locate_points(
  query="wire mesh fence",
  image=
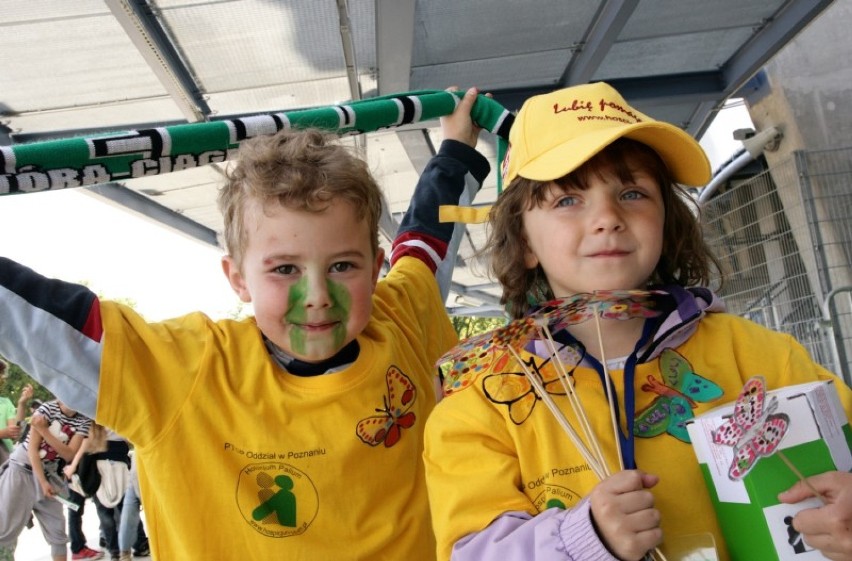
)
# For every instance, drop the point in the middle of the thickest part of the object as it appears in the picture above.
(784, 238)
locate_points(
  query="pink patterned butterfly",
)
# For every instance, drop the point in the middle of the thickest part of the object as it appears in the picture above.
(754, 430)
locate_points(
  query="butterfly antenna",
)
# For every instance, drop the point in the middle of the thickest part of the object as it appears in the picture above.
(615, 429)
(801, 476)
(574, 398)
(560, 418)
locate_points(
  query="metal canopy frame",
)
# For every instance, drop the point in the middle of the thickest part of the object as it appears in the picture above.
(698, 94)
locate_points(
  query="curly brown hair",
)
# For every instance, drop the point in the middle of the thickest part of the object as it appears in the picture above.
(301, 170)
(686, 259)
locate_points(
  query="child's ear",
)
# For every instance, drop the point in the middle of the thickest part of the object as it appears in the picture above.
(377, 266)
(530, 259)
(235, 278)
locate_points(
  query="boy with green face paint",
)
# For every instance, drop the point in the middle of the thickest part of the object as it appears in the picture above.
(301, 427)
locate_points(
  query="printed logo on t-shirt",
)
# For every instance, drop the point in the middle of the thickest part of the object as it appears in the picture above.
(555, 496)
(277, 499)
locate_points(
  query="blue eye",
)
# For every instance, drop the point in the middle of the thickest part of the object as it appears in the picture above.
(633, 195)
(566, 201)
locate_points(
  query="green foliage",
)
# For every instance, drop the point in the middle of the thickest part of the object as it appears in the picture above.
(16, 379)
(468, 326)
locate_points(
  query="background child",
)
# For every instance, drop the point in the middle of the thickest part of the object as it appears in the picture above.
(591, 204)
(30, 480)
(11, 415)
(296, 433)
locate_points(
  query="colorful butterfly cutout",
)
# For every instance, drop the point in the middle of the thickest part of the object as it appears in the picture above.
(754, 430)
(677, 395)
(514, 390)
(488, 350)
(386, 427)
(606, 304)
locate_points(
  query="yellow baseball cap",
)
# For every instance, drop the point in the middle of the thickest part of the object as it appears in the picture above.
(555, 133)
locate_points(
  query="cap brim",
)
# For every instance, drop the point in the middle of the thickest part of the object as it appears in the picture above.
(681, 153)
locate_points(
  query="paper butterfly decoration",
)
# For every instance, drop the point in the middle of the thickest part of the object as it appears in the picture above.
(754, 430)
(514, 390)
(394, 415)
(488, 350)
(681, 388)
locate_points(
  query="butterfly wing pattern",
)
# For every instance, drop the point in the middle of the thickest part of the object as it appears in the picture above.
(515, 391)
(676, 398)
(489, 350)
(754, 430)
(394, 415)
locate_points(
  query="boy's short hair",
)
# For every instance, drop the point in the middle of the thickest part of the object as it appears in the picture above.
(686, 260)
(301, 170)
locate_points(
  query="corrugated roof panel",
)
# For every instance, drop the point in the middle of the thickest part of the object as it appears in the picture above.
(447, 31)
(114, 114)
(21, 11)
(655, 18)
(253, 44)
(531, 69)
(281, 97)
(105, 66)
(673, 54)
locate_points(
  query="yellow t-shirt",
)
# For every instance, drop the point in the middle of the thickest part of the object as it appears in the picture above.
(494, 447)
(241, 460)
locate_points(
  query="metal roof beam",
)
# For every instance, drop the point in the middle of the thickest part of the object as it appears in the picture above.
(134, 201)
(152, 42)
(768, 40)
(482, 296)
(601, 35)
(348, 43)
(394, 44)
(647, 91)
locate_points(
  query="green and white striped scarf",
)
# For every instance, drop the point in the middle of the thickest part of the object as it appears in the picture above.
(83, 161)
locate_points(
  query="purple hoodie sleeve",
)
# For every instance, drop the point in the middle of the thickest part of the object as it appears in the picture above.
(553, 535)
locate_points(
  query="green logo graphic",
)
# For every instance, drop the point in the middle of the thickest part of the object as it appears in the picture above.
(277, 499)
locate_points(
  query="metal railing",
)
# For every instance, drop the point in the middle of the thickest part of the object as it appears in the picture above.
(784, 238)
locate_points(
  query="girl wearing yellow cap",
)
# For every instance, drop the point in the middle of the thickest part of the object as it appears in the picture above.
(593, 203)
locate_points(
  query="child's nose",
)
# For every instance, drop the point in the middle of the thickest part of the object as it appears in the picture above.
(608, 216)
(318, 293)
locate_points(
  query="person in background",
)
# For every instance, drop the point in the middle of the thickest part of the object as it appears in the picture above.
(131, 531)
(292, 422)
(95, 442)
(592, 203)
(30, 482)
(11, 416)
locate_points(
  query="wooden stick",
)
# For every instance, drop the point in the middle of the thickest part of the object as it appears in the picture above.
(801, 476)
(574, 399)
(557, 413)
(616, 431)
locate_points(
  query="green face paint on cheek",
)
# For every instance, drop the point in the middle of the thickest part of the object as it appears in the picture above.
(297, 314)
(342, 306)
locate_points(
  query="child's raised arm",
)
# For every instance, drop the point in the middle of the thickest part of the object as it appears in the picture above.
(442, 182)
(64, 319)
